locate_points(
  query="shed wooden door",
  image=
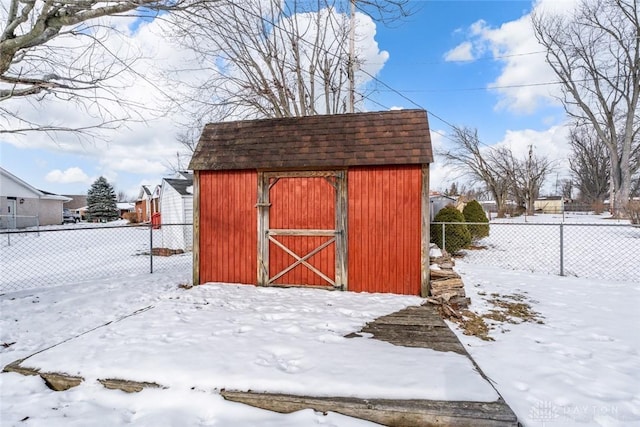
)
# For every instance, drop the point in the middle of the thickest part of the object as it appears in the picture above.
(301, 228)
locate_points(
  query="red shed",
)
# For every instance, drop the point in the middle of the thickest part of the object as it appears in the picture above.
(339, 201)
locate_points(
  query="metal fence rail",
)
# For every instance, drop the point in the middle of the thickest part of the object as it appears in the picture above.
(52, 256)
(604, 251)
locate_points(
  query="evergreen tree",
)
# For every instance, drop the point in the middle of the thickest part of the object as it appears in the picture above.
(456, 236)
(101, 200)
(473, 212)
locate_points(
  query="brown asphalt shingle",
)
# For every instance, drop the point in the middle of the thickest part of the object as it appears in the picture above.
(361, 139)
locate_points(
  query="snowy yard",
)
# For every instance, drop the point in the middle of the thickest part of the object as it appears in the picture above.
(198, 341)
(580, 367)
(81, 253)
(593, 246)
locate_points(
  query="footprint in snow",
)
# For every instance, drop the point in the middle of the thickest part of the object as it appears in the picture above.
(602, 338)
(286, 360)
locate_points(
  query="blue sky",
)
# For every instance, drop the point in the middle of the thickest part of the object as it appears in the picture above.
(445, 58)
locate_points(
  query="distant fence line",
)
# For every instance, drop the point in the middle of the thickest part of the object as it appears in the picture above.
(42, 256)
(603, 251)
(12, 222)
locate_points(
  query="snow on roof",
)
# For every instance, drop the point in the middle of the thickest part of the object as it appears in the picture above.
(184, 187)
(53, 196)
(125, 206)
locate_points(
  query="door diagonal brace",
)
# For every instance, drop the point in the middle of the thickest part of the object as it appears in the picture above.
(302, 260)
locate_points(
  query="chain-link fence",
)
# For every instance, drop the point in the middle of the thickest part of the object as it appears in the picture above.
(12, 222)
(51, 256)
(606, 251)
(59, 255)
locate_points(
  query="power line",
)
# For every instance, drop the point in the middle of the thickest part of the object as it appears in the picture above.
(374, 78)
(490, 88)
(465, 61)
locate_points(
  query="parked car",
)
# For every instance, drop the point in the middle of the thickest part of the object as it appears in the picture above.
(69, 217)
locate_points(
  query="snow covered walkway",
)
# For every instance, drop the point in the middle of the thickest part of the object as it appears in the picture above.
(286, 341)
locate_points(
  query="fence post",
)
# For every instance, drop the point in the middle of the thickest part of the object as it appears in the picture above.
(150, 248)
(443, 238)
(562, 249)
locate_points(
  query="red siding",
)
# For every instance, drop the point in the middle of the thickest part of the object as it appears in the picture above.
(384, 229)
(302, 203)
(228, 226)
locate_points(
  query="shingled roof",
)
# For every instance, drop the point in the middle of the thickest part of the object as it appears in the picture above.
(181, 185)
(362, 139)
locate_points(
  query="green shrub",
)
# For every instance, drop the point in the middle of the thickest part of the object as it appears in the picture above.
(456, 236)
(473, 212)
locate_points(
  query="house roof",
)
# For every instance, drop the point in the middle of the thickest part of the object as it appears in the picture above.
(41, 194)
(398, 137)
(181, 185)
(146, 192)
(77, 201)
(53, 196)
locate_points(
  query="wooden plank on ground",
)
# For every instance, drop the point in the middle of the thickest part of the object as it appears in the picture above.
(408, 321)
(395, 413)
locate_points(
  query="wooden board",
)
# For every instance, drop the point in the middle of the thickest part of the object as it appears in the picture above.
(418, 326)
(396, 413)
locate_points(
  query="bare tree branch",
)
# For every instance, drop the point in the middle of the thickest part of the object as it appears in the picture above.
(56, 49)
(467, 157)
(525, 177)
(596, 55)
(590, 164)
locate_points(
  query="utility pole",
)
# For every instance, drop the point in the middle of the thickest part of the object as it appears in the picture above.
(352, 54)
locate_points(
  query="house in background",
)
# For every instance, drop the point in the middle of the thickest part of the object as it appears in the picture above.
(23, 205)
(549, 205)
(147, 202)
(77, 204)
(336, 201)
(176, 211)
(125, 208)
(438, 201)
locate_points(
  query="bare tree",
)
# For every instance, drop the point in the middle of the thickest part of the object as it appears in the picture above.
(635, 186)
(566, 188)
(122, 197)
(468, 158)
(590, 164)
(525, 176)
(596, 55)
(272, 58)
(57, 49)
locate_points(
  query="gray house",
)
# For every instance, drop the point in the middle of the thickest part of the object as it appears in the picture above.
(438, 201)
(22, 205)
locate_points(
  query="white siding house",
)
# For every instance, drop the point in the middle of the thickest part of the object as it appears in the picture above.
(438, 201)
(23, 205)
(176, 207)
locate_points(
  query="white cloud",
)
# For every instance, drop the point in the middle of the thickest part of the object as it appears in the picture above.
(68, 176)
(145, 146)
(462, 52)
(441, 175)
(551, 142)
(514, 44)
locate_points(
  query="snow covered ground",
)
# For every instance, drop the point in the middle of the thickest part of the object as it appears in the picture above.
(593, 246)
(207, 338)
(81, 253)
(581, 367)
